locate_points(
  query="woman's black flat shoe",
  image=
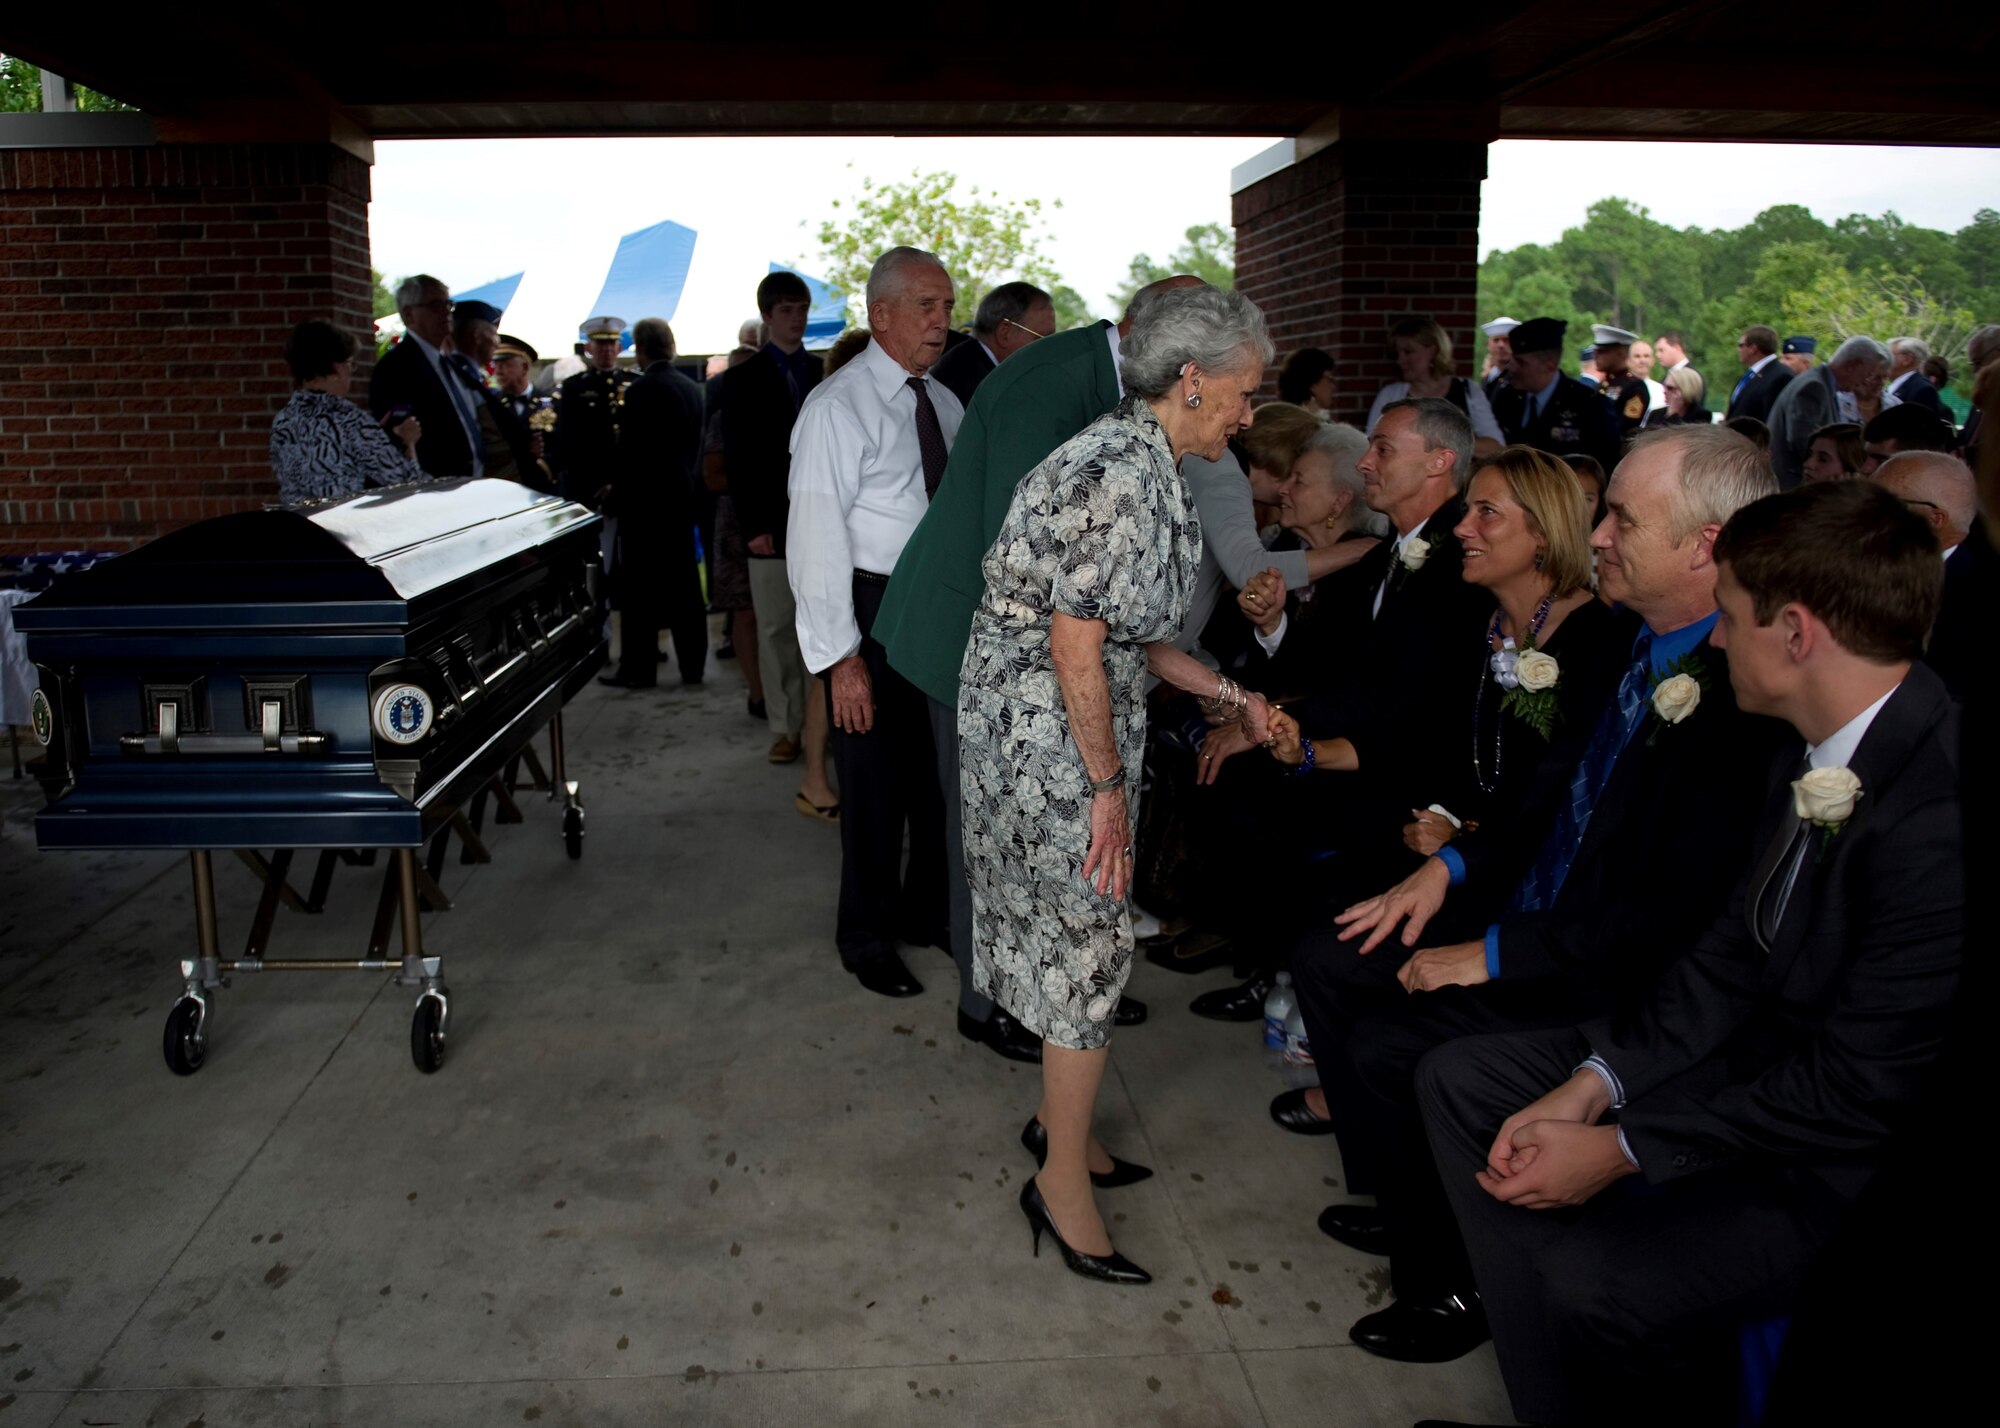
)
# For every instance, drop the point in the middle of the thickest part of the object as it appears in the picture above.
(1113, 1268)
(1035, 1138)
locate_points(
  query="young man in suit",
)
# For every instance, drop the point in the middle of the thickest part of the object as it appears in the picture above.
(1650, 799)
(1760, 1085)
(1764, 374)
(1009, 318)
(1036, 402)
(411, 379)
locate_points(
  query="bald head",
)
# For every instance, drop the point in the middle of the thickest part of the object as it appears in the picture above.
(1143, 298)
(1939, 487)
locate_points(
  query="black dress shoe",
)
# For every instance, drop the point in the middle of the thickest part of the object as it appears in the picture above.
(1424, 1331)
(757, 709)
(1356, 1226)
(626, 681)
(887, 976)
(1130, 1011)
(1289, 1109)
(1113, 1268)
(1002, 1034)
(1190, 952)
(1242, 1003)
(1035, 1136)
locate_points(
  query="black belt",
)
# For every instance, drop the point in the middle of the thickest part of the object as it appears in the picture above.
(869, 577)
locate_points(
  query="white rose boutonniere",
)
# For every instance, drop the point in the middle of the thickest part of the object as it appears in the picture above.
(1414, 552)
(1537, 671)
(1676, 697)
(1825, 798)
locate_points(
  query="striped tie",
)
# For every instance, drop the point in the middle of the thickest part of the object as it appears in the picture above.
(1545, 877)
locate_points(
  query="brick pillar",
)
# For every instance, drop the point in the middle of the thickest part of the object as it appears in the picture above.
(1337, 247)
(145, 296)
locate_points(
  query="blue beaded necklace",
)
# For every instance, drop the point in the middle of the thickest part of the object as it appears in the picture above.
(1499, 664)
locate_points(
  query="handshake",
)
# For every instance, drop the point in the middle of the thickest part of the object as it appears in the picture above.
(1254, 723)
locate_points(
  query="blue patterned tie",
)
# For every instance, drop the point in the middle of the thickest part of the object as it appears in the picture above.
(1545, 878)
(1741, 383)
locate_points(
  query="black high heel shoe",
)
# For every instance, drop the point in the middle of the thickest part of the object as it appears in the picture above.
(1113, 1268)
(1035, 1138)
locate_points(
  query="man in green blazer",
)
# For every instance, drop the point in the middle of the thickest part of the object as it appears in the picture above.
(1030, 405)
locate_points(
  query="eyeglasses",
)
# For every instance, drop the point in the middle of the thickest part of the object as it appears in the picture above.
(1913, 501)
(1032, 334)
(442, 306)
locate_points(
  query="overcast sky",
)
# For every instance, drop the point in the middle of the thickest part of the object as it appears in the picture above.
(474, 210)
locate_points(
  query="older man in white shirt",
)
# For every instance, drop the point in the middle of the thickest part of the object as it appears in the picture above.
(868, 451)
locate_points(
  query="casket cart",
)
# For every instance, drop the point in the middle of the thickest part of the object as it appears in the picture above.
(339, 678)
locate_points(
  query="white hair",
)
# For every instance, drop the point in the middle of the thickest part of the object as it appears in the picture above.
(410, 292)
(1215, 330)
(1856, 349)
(1345, 445)
(892, 270)
(1914, 348)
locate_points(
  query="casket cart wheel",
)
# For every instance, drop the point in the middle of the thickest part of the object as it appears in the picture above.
(186, 1041)
(427, 1031)
(573, 831)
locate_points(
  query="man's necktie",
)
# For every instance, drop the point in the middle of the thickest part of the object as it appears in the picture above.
(930, 437)
(1545, 876)
(1741, 382)
(461, 399)
(1778, 869)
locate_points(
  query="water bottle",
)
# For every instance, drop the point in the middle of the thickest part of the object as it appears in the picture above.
(1277, 1007)
(1298, 1058)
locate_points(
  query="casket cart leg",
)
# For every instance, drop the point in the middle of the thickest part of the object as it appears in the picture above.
(186, 1041)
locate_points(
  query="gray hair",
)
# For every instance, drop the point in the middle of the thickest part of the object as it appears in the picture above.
(1009, 302)
(1722, 471)
(1345, 445)
(653, 339)
(1984, 342)
(1857, 349)
(891, 270)
(1216, 331)
(1914, 348)
(410, 292)
(1137, 304)
(1443, 427)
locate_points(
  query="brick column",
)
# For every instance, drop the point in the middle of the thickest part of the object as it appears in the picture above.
(145, 296)
(1337, 247)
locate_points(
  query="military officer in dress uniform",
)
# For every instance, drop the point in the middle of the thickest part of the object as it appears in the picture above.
(1543, 408)
(588, 405)
(1624, 394)
(530, 411)
(1494, 378)
(1797, 353)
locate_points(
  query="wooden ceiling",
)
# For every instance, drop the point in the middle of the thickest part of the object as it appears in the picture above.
(1823, 72)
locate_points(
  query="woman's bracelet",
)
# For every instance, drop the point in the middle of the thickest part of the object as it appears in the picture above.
(1306, 766)
(1106, 785)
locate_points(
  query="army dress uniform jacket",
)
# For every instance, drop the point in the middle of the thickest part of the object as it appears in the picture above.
(1629, 400)
(1575, 418)
(584, 446)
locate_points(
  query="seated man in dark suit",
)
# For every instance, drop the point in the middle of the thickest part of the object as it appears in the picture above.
(1941, 489)
(1008, 319)
(1664, 791)
(1760, 1085)
(410, 381)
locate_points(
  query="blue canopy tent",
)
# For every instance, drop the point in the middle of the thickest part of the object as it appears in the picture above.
(499, 292)
(648, 274)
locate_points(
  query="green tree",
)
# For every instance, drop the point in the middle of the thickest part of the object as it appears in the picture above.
(982, 239)
(21, 90)
(1208, 251)
(385, 296)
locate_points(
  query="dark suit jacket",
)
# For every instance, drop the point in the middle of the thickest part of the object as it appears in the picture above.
(659, 448)
(1576, 418)
(404, 378)
(1918, 389)
(1802, 408)
(963, 368)
(1957, 645)
(1756, 399)
(1678, 812)
(1810, 1054)
(1044, 395)
(757, 417)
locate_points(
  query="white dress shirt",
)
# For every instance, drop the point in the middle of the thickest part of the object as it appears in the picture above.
(857, 489)
(1395, 562)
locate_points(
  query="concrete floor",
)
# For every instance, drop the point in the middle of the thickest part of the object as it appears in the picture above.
(678, 1169)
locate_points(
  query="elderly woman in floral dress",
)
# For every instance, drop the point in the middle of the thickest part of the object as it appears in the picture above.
(1086, 588)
